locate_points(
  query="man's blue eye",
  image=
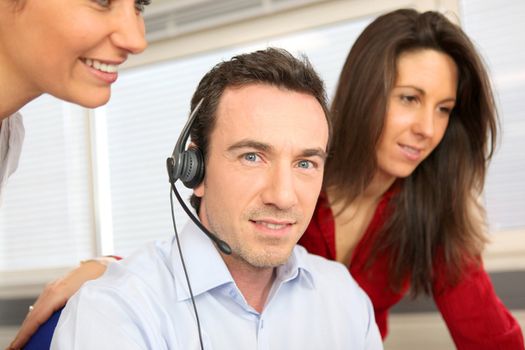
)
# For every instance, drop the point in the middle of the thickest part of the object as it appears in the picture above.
(251, 157)
(305, 164)
(104, 3)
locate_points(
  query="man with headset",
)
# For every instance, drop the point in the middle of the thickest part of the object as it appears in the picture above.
(259, 141)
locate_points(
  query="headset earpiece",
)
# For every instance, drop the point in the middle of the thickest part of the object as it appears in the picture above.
(192, 171)
(186, 165)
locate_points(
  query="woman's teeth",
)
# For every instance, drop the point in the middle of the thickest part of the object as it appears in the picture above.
(103, 67)
(411, 150)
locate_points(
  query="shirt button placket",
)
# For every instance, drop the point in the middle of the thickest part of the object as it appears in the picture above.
(262, 339)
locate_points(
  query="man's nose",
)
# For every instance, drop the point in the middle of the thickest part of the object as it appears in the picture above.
(280, 188)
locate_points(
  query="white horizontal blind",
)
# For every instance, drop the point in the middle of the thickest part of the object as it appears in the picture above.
(46, 219)
(498, 29)
(148, 109)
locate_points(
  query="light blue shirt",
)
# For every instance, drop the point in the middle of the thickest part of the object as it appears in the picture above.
(142, 302)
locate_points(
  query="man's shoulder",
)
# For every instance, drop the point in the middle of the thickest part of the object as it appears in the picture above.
(126, 305)
(148, 269)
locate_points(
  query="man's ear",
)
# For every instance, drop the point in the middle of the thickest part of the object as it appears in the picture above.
(198, 164)
(199, 190)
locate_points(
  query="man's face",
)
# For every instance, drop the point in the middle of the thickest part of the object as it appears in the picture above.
(264, 171)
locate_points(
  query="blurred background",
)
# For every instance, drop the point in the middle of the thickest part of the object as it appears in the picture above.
(93, 182)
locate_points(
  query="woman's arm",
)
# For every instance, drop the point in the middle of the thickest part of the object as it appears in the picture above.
(475, 316)
(56, 294)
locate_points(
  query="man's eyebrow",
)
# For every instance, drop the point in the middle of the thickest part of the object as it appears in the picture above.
(250, 144)
(264, 147)
(314, 152)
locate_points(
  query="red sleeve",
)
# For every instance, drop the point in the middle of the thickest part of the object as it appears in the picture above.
(475, 316)
(116, 257)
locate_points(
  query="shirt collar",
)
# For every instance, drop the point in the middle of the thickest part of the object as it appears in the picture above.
(204, 264)
(207, 270)
(297, 268)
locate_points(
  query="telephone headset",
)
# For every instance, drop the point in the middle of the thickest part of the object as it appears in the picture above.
(187, 165)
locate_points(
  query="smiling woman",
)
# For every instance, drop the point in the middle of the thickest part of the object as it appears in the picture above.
(69, 49)
(419, 107)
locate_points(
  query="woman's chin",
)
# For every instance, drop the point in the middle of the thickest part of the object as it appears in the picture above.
(92, 101)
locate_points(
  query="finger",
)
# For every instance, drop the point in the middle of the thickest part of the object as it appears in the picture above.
(34, 319)
(28, 328)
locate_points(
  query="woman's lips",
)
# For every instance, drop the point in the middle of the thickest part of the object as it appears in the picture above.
(105, 71)
(410, 152)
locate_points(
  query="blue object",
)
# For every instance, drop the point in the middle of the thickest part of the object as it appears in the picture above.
(42, 338)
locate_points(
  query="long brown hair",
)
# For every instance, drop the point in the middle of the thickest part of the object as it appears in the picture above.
(435, 212)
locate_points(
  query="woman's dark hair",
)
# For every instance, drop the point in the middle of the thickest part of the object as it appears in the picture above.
(276, 67)
(435, 212)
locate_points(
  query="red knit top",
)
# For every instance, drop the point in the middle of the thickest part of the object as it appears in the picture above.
(475, 316)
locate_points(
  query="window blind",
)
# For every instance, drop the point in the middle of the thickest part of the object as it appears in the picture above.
(46, 219)
(497, 29)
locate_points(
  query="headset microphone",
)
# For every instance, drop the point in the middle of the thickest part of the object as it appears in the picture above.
(187, 165)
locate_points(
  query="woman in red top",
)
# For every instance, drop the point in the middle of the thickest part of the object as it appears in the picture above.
(414, 126)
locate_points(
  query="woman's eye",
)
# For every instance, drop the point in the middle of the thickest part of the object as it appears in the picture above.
(141, 4)
(408, 98)
(445, 110)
